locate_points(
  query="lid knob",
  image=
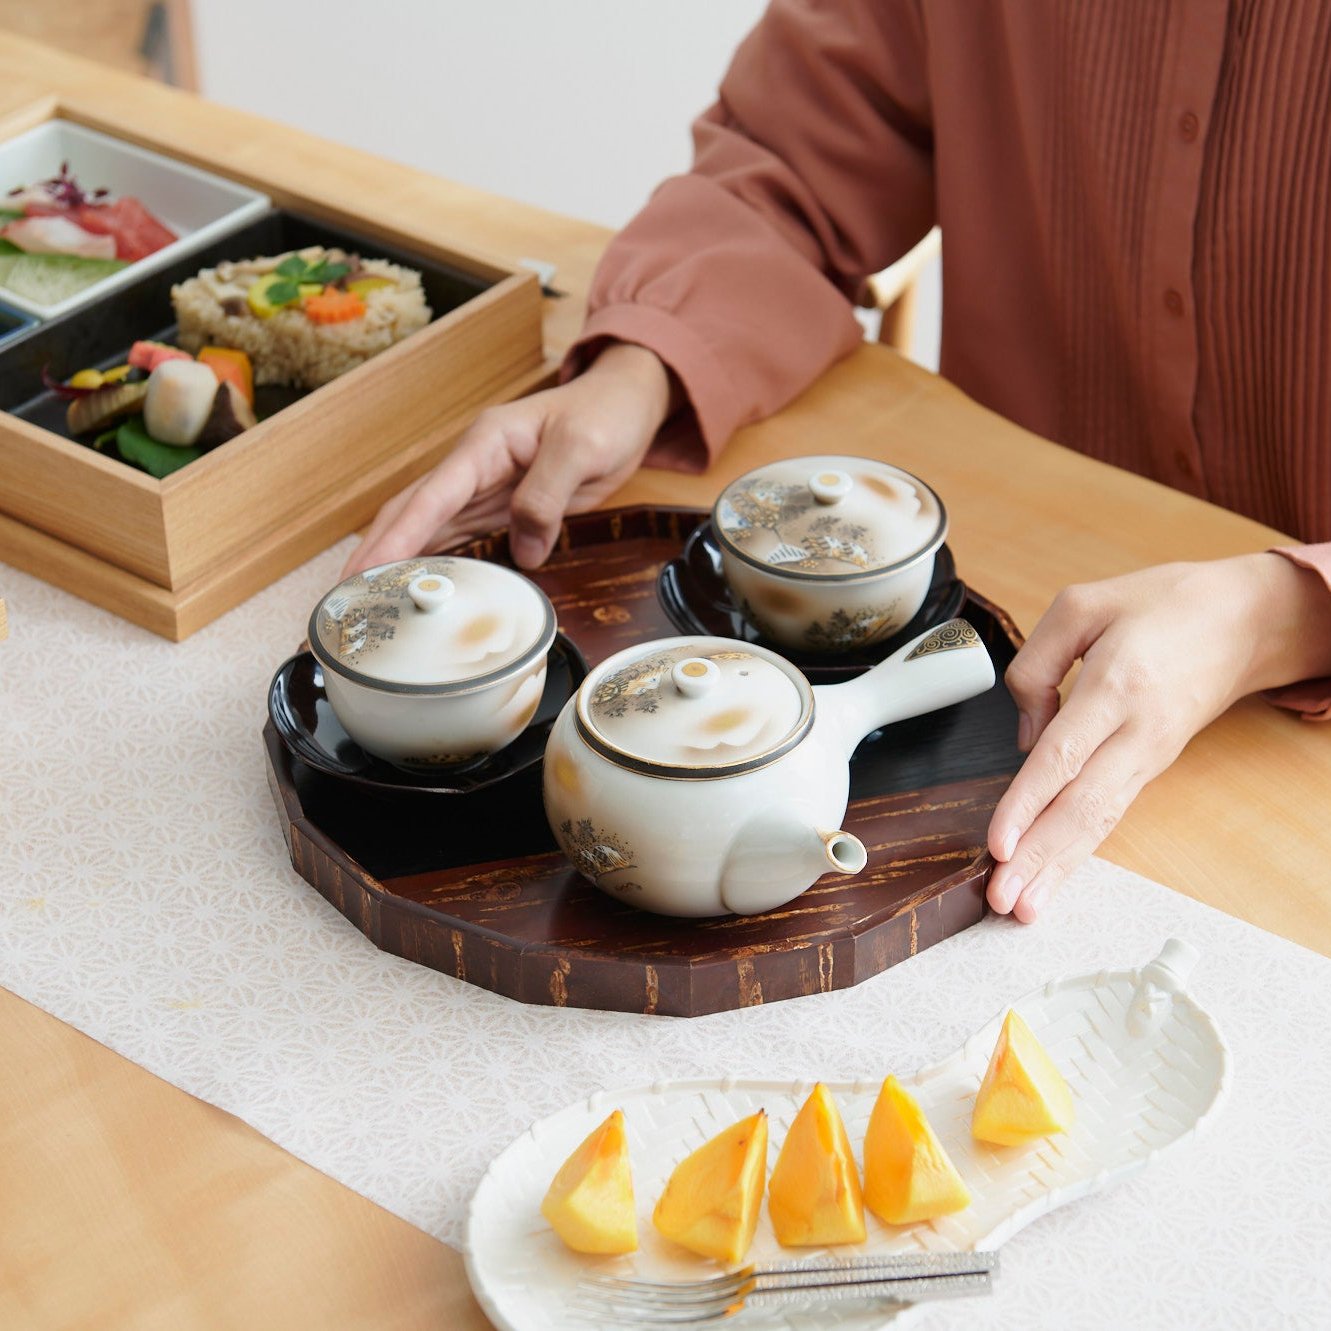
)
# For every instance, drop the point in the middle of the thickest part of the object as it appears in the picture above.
(830, 487)
(694, 677)
(430, 591)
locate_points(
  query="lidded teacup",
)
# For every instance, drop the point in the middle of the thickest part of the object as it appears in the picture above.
(435, 660)
(828, 553)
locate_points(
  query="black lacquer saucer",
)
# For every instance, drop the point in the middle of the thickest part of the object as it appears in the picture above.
(308, 730)
(694, 595)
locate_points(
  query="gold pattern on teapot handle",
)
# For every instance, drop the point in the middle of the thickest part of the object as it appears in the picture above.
(949, 637)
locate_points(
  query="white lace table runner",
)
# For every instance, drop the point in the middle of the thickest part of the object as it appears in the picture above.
(146, 898)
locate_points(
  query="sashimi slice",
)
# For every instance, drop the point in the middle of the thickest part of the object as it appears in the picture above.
(137, 233)
(57, 235)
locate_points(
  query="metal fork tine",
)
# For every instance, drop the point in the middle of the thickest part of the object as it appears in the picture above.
(646, 1315)
(665, 1301)
(731, 1280)
(681, 1294)
(631, 1301)
(637, 1317)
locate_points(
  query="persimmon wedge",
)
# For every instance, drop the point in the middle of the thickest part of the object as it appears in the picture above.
(1023, 1096)
(590, 1202)
(908, 1176)
(814, 1195)
(712, 1200)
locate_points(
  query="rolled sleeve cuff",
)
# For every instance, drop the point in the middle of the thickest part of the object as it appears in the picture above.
(699, 430)
(1310, 698)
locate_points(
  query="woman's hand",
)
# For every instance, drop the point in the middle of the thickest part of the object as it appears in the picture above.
(527, 463)
(1163, 652)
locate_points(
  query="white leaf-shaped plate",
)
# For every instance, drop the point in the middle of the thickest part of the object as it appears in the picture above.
(1147, 1068)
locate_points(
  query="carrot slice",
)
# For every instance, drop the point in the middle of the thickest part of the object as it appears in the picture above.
(231, 365)
(332, 306)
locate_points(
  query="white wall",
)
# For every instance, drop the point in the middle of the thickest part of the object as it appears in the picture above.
(577, 105)
(580, 106)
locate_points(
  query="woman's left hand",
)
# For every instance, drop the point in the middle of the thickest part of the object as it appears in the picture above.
(1164, 651)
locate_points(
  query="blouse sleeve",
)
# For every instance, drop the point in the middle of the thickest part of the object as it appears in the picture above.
(813, 170)
(1311, 698)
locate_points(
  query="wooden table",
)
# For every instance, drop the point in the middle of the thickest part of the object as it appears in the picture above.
(127, 1202)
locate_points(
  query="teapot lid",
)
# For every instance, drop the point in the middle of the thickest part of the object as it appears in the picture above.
(431, 625)
(694, 707)
(829, 517)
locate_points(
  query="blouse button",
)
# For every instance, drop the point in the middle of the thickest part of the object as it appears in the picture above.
(1173, 302)
(1188, 125)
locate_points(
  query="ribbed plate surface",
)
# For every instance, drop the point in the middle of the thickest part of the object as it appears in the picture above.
(1147, 1068)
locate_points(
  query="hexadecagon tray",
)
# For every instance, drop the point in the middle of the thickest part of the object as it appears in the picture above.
(473, 885)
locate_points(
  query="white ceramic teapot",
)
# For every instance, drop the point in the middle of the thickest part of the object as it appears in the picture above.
(706, 776)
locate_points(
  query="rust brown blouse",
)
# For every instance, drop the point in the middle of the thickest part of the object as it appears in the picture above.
(1134, 203)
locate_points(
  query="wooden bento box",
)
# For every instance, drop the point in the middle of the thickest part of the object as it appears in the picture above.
(175, 553)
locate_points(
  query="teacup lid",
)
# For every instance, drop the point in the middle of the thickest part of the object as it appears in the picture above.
(829, 517)
(433, 624)
(694, 707)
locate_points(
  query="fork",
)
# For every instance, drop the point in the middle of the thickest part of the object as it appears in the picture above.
(901, 1278)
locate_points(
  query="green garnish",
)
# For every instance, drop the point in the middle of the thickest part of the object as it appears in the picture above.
(282, 293)
(10, 215)
(296, 272)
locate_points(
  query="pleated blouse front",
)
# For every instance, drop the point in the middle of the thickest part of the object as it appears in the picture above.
(1134, 203)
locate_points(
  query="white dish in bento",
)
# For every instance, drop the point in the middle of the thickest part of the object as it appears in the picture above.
(1147, 1067)
(198, 206)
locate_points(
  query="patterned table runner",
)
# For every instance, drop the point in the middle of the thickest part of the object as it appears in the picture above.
(145, 898)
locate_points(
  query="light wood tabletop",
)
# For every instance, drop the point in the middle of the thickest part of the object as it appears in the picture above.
(129, 1203)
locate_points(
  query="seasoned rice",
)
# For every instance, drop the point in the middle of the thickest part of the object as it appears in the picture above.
(288, 348)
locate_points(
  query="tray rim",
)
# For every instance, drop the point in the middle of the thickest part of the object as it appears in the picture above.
(979, 867)
(974, 875)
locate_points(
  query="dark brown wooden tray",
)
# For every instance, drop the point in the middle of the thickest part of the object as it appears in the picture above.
(473, 885)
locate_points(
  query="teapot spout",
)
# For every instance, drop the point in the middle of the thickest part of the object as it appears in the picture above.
(776, 856)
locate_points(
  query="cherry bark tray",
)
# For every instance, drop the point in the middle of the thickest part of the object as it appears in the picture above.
(473, 885)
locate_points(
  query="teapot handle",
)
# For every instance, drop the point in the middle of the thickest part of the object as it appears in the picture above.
(944, 665)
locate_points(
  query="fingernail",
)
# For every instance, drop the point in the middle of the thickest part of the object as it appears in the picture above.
(1009, 845)
(1008, 892)
(1039, 894)
(1023, 731)
(527, 550)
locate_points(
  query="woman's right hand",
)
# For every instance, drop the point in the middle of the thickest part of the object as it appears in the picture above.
(527, 463)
